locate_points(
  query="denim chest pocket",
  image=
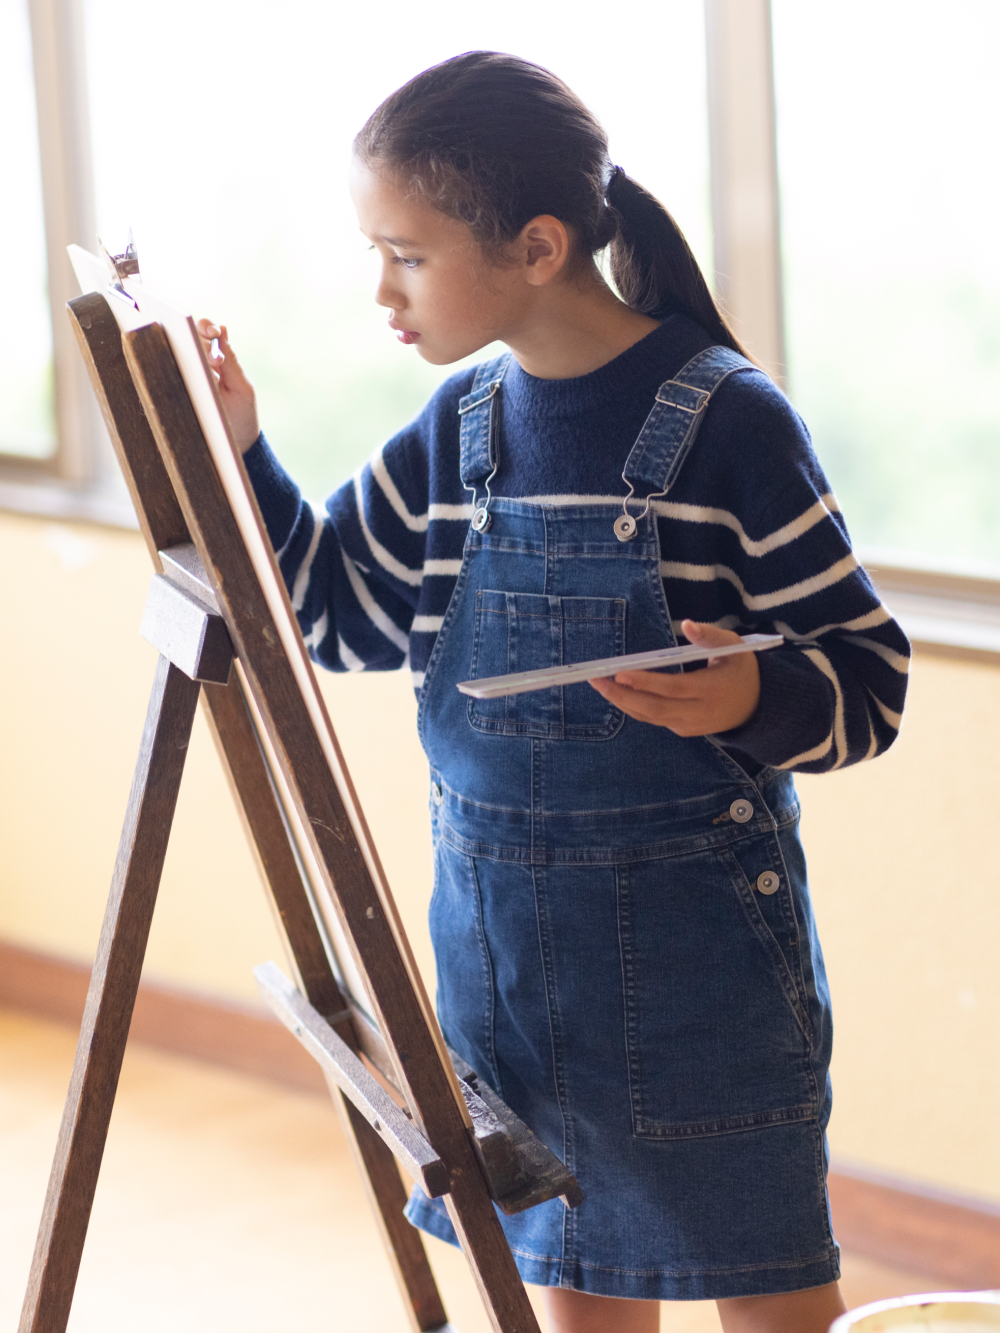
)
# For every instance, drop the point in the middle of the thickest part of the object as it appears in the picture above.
(519, 631)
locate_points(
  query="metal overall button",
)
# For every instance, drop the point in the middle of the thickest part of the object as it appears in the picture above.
(768, 882)
(481, 519)
(437, 796)
(625, 527)
(741, 811)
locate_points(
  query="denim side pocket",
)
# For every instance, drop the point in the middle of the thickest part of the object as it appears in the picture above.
(517, 631)
(715, 1042)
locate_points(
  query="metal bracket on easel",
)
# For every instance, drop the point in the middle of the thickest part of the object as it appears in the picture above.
(125, 265)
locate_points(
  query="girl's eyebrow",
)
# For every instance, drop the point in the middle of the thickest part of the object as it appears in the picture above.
(395, 240)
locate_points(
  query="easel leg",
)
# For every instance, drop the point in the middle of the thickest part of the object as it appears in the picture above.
(485, 1247)
(110, 1000)
(388, 1197)
(251, 783)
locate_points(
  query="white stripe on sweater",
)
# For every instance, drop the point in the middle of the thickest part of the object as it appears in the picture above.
(809, 756)
(414, 577)
(877, 616)
(350, 660)
(450, 512)
(436, 513)
(564, 501)
(895, 720)
(302, 576)
(415, 522)
(795, 592)
(896, 660)
(318, 632)
(687, 513)
(839, 731)
(426, 624)
(371, 608)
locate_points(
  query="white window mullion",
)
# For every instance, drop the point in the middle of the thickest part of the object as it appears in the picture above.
(68, 190)
(745, 215)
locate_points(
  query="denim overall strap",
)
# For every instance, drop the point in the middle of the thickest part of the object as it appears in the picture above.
(479, 455)
(671, 427)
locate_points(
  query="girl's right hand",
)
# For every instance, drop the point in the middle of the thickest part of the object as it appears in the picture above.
(238, 399)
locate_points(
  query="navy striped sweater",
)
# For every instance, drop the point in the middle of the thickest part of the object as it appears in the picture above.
(751, 539)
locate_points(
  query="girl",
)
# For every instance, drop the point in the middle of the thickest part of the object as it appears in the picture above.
(625, 945)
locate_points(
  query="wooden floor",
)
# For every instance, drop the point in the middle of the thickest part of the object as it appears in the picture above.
(227, 1203)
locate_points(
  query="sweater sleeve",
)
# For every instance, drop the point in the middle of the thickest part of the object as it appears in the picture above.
(359, 567)
(777, 558)
(354, 567)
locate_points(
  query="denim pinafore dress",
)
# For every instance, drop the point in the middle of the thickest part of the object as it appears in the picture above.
(624, 940)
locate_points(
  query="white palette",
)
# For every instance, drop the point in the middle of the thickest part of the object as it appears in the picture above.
(522, 682)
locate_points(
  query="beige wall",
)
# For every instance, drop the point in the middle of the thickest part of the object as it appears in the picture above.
(901, 854)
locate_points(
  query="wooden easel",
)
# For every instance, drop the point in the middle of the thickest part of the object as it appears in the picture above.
(219, 640)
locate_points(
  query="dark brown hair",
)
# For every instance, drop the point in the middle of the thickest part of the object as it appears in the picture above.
(494, 141)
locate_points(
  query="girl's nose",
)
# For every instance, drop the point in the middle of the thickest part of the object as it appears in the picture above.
(387, 294)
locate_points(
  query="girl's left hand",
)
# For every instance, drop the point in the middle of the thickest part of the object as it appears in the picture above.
(722, 696)
(236, 392)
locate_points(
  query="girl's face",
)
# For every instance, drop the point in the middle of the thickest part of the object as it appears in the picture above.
(442, 294)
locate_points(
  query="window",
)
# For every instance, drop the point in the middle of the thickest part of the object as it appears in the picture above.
(232, 167)
(887, 126)
(27, 397)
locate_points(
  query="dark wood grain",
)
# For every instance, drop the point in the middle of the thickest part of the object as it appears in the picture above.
(156, 506)
(110, 1000)
(424, 1081)
(253, 790)
(340, 1063)
(388, 1197)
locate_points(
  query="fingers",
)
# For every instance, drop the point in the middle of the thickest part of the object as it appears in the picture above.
(685, 717)
(700, 704)
(668, 686)
(707, 636)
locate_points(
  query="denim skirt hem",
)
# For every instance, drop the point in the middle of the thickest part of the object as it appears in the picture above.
(431, 1216)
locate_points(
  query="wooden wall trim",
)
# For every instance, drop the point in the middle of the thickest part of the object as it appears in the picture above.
(238, 1036)
(953, 1240)
(950, 1237)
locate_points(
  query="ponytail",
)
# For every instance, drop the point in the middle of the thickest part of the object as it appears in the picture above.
(652, 264)
(494, 141)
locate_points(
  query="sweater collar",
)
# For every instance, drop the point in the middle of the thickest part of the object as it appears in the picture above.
(633, 370)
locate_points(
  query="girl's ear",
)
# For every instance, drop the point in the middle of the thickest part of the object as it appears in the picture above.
(544, 247)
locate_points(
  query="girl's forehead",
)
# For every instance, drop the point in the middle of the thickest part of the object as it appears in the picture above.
(394, 213)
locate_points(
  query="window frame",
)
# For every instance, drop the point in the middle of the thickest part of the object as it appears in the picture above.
(79, 480)
(950, 612)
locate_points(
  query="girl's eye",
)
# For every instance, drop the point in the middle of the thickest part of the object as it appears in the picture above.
(407, 263)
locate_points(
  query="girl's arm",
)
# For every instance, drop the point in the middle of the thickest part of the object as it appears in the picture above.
(353, 571)
(755, 541)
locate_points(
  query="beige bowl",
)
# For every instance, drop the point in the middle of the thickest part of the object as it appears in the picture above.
(941, 1312)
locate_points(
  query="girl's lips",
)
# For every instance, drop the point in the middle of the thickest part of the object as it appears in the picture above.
(404, 335)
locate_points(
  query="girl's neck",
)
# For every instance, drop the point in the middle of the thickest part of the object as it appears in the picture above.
(575, 326)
